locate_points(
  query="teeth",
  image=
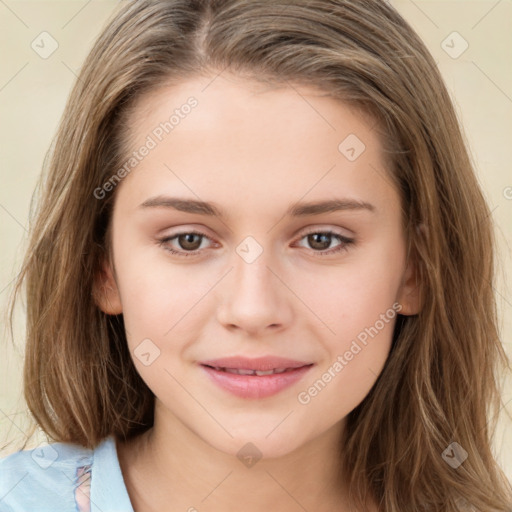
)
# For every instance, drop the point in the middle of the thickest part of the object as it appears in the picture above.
(269, 372)
(242, 371)
(245, 372)
(239, 371)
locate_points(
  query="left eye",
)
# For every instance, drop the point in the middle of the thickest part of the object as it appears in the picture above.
(322, 240)
(190, 242)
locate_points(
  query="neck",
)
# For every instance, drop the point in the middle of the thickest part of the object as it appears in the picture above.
(170, 468)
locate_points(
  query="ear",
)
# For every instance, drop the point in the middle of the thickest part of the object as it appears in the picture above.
(409, 295)
(410, 292)
(105, 290)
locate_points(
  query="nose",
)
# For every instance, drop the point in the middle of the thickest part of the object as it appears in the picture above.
(254, 298)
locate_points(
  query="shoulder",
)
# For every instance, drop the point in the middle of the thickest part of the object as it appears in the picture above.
(44, 478)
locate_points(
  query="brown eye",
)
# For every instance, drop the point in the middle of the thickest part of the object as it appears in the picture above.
(189, 241)
(320, 241)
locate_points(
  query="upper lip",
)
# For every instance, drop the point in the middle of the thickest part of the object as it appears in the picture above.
(259, 363)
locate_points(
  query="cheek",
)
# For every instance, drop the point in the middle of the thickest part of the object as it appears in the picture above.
(162, 300)
(151, 295)
(161, 315)
(344, 382)
(361, 319)
(358, 311)
(353, 296)
(359, 338)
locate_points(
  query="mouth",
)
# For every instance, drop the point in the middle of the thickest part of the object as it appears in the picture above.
(255, 378)
(259, 373)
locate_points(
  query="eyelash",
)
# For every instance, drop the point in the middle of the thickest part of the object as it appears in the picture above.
(344, 246)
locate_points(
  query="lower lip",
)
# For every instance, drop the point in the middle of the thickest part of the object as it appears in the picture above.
(255, 386)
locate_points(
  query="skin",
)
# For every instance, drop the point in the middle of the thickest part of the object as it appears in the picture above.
(253, 151)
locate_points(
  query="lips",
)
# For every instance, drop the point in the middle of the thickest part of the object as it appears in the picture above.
(259, 373)
(255, 378)
(261, 364)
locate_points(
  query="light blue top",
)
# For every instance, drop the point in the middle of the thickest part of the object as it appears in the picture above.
(64, 477)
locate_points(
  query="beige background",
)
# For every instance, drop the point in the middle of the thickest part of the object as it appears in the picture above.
(33, 92)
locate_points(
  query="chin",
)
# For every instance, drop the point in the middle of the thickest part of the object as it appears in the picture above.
(253, 447)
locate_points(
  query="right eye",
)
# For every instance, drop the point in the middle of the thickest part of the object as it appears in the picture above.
(190, 242)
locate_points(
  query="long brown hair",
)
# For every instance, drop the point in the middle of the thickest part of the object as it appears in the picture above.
(439, 384)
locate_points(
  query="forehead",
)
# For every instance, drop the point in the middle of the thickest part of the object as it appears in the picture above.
(243, 140)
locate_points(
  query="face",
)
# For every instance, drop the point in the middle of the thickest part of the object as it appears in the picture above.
(259, 272)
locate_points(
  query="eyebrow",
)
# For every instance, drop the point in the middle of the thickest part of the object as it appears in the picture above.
(295, 210)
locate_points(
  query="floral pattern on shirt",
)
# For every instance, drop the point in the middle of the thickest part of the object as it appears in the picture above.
(83, 489)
